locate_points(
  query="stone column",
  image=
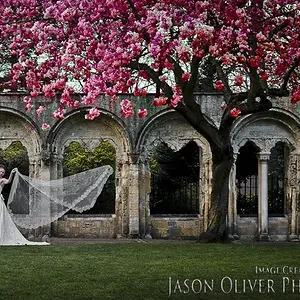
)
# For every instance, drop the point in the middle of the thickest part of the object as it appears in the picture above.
(144, 209)
(133, 201)
(53, 165)
(292, 190)
(118, 199)
(45, 175)
(232, 205)
(293, 227)
(263, 224)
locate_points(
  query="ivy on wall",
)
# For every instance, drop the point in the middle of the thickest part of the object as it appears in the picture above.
(78, 159)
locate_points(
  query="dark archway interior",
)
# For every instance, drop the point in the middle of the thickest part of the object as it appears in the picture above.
(247, 180)
(276, 179)
(175, 180)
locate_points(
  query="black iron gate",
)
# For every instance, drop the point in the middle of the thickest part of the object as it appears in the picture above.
(174, 196)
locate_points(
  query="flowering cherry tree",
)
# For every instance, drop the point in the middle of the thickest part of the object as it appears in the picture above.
(134, 46)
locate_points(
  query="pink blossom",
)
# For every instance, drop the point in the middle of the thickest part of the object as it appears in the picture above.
(264, 76)
(160, 101)
(142, 112)
(40, 109)
(59, 114)
(163, 78)
(27, 99)
(239, 80)
(175, 100)
(219, 85)
(223, 105)
(126, 108)
(295, 96)
(253, 62)
(45, 126)
(28, 106)
(140, 92)
(93, 114)
(235, 112)
(34, 94)
(144, 75)
(185, 77)
(49, 90)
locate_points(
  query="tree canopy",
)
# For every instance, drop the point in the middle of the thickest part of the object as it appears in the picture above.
(133, 46)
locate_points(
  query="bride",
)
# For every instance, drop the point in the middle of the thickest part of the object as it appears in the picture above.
(49, 200)
(9, 233)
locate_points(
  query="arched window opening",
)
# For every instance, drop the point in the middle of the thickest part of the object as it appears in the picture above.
(78, 159)
(15, 156)
(175, 180)
(276, 179)
(247, 180)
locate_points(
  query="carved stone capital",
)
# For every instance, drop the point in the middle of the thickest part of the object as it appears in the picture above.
(263, 156)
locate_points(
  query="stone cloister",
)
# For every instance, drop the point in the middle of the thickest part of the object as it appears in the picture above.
(135, 141)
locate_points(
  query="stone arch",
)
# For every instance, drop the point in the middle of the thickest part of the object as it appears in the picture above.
(107, 127)
(172, 129)
(266, 129)
(163, 127)
(16, 126)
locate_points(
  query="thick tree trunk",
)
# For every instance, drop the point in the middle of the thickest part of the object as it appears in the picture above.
(217, 227)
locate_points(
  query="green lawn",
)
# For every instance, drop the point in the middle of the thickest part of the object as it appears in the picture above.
(144, 271)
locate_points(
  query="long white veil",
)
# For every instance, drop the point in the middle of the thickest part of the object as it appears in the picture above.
(33, 203)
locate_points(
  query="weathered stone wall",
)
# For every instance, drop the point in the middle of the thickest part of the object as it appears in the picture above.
(176, 227)
(248, 228)
(85, 227)
(134, 140)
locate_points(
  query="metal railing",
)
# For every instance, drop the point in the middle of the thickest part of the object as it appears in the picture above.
(174, 196)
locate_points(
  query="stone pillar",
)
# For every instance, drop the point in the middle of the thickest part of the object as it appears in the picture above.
(118, 199)
(45, 175)
(144, 185)
(263, 224)
(133, 201)
(53, 164)
(122, 178)
(292, 190)
(232, 205)
(293, 227)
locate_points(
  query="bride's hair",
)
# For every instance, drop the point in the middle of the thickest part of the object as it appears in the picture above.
(2, 167)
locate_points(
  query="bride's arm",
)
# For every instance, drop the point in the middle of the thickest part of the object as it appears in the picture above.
(13, 171)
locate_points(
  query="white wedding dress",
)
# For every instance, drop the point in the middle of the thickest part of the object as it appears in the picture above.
(50, 200)
(9, 233)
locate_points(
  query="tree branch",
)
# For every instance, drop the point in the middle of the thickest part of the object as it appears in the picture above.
(198, 121)
(135, 65)
(178, 72)
(288, 74)
(190, 85)
(134, 11)
(220, 73)
(278, 28)
(131, 5)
